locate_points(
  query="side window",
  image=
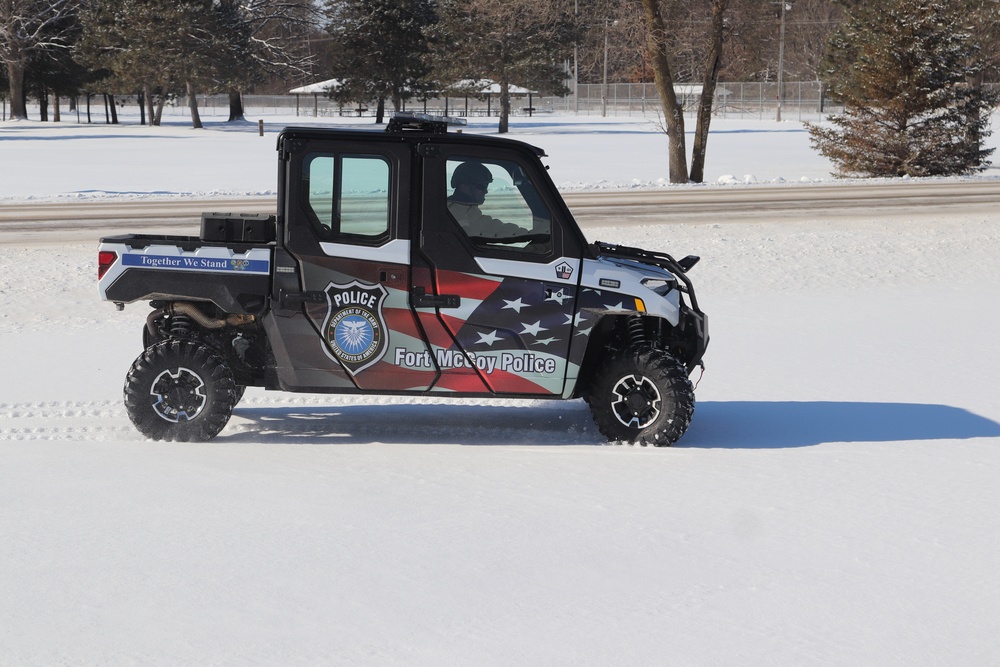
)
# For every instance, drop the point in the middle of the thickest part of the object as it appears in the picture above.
(347, 195)
(497, 206)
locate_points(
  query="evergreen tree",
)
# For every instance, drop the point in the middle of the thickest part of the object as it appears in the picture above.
(903, 69)
(57, 72)
(511, 42)
(382, 49)
(129, 39)
(190, 46)
(153, 46)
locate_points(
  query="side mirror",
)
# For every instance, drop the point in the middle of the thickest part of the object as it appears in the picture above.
(688, 262)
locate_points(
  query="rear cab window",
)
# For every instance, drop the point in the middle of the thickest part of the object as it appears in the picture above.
(347, 196)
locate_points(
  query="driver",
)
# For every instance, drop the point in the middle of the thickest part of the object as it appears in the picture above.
(471, 181)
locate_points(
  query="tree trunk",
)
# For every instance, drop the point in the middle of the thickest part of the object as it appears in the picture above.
(15, 77)
(672, 112)
(159, 108)
(148, 94)
(975, 82)
(504, 124)
(712, 65)
(236, 111)
(114, 109)
(193, 106)
(43, 105)
(142, 107)
(55, 108)
(380, 111)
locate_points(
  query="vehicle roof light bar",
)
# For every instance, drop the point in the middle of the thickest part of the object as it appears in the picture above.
(421, 122)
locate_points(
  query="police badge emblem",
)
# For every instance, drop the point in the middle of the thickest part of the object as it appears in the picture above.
(354, 328)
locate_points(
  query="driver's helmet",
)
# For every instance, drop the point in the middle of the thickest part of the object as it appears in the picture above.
(471, 173)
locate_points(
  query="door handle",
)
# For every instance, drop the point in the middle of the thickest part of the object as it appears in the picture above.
(421, 299)
(301, 297)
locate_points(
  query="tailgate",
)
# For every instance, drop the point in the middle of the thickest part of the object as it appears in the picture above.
(235, 277)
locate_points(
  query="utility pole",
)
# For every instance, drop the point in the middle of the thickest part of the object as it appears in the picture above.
(781, 58)
(604, 85)
(576, 64)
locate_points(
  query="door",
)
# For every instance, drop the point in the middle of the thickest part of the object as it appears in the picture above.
(348, 230)
(499, 268)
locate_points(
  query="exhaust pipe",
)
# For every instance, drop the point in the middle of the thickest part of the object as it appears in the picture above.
(192, 311)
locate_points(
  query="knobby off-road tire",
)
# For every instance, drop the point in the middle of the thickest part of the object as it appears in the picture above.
(149, 340)
(180, 390)
(642, 396)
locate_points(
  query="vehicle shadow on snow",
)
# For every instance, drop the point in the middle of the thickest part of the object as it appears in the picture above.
(717, 424)
(786, 424)
(416, 424)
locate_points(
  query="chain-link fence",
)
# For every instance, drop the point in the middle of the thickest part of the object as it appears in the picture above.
(800, 100)
(754, 100)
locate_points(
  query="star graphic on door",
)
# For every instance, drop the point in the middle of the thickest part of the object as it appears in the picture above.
(489, 338)
(515, 305)
(533, 329)
(545, 341)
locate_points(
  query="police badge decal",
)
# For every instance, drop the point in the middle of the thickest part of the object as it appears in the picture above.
(354, 329)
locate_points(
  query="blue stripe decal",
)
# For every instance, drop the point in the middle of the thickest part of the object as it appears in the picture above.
(197, 263)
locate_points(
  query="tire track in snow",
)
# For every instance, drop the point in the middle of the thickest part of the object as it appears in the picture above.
(65, 420)
(320, 419)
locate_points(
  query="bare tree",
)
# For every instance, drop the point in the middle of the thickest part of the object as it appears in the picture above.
(27, 27)
(229, 45)
(260, 38)
(710, 77)
(687, 41)
(809, 26)
(621, 28)
(751, 38)
(673, 113)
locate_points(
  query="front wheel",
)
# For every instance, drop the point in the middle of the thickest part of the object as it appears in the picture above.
(180, 390)
(642, 396)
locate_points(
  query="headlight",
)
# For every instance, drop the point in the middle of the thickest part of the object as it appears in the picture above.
(661, 286)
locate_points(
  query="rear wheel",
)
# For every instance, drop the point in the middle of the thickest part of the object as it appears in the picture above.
(180, 390)
(642, 396)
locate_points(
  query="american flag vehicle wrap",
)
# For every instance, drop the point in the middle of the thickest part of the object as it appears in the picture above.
(364, 281)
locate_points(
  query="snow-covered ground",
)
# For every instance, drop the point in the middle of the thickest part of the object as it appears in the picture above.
(834, 501)
(61, 160)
